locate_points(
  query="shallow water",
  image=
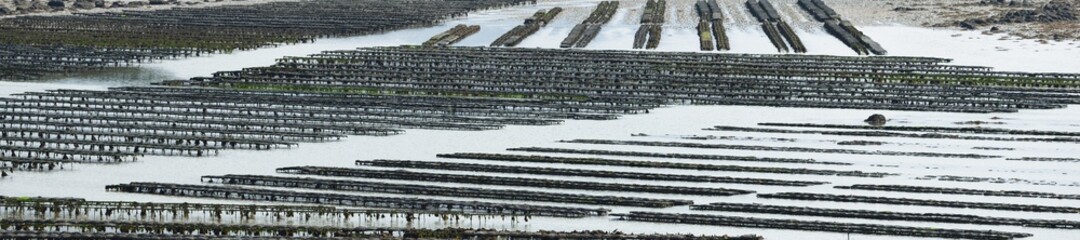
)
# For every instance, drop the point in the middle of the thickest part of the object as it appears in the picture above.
(88, 180)
(967, 48)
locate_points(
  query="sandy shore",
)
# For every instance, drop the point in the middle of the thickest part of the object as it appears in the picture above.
(938, 14)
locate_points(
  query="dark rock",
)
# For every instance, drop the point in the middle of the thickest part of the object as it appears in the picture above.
(5, 10)
(57, 4)
(969, 24)
(974, 23)
(157, 2)
(876, 120)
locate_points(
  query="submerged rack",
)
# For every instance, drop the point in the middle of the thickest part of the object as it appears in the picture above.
(885, 215)
(428, 190)
(783, 149)
(920, 202)
(654, 164)
(960, 191)
(353, 200)
(881, 133)
(874, 229)
(673, 155)
(505, 181)
(579, 172)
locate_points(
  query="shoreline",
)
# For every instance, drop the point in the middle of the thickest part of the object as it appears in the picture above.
(111, 6)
